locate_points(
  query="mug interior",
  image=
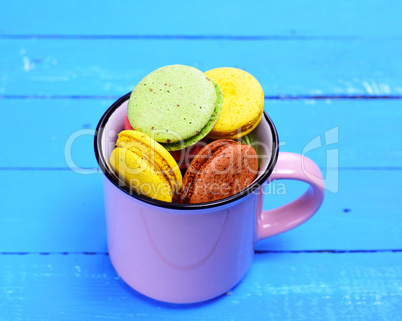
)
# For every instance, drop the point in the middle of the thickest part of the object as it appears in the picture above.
(264, 139)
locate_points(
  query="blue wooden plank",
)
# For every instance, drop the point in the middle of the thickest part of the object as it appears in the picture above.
(364, 132)
(62, 211)
(288, 18)
(295, 49)
(299, 122)
(52, 211)
(277, 287)
(284, 68)
(49, 125)
(362, 214)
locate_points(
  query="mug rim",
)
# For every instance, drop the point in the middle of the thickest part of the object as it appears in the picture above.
(124, 188)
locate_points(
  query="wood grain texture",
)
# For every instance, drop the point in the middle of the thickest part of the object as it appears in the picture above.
(278, 287)
(63, 63)
(253, 17)
(368, 131)
(62, 211)
(284, 68)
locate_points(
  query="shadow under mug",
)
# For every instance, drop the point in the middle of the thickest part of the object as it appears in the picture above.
(187, 253)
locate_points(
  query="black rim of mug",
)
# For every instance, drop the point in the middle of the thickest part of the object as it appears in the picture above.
(116, 182)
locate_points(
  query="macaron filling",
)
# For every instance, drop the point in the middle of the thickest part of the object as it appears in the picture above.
(146, 166)
(239, 132)
(154, 161)
(139, 175)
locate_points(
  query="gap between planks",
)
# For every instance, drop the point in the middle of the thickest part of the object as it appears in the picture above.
(257, 252)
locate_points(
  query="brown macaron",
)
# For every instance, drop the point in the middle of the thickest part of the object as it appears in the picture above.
(221, 169)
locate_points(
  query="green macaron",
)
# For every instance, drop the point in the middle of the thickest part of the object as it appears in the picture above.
(176, 105)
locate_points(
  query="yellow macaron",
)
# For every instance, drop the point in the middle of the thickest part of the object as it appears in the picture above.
(146, 166)
(243, 103)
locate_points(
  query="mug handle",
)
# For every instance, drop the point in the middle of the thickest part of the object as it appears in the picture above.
(281, 219)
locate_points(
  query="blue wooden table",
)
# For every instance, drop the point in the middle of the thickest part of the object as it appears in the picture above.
(332, 75)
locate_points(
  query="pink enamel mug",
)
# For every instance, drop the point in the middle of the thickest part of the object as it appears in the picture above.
(187, 253)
